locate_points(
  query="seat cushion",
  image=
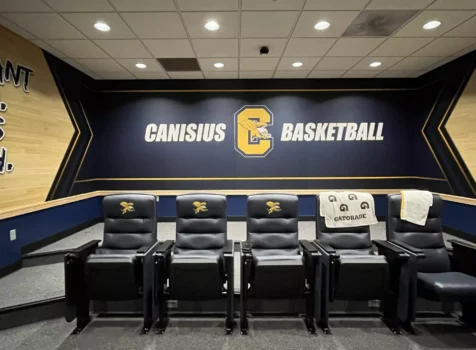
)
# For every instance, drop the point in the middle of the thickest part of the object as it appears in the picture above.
(447, 286)
(361, 252)
(281, 257)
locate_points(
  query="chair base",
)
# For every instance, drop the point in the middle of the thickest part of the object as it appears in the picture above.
(162, 325)
(325, 327)
(244, 327)
(393, 325)
(229, 327)
(408, 327)
(309, 322)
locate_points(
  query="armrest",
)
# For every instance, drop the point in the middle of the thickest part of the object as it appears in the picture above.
(147, 249)
(309, 247)
(327, 248)
(245, 249)
(462, 244)
(387, 247)
(165, 247)
(229, 248)
(86, 247)
(418, 252)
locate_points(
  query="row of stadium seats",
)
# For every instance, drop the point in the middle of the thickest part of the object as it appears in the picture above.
(340, 264)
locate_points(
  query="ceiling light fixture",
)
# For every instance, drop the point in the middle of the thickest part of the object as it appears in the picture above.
(212, 25)
(431, 25)
(141, 65)
(297, 64)
(103, 27)
(322, 25)
(375, 64)
(219, 65)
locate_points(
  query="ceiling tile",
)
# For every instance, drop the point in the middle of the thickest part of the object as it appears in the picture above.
(100, 65)
(256, 74)
(23, 6)
(75, 64)
(171, 48)
(251, 47)
(155, 25)
(339, 22)
(354, 46)
(151, 75)
(335, 4)
(85, 23)
(400, 46)
(130, 65)
(298, 47)
(45, 25)
(465, 51)
(291, 74)
(448, 19)
(78, 48)
(323, 74)
(387, 62)
(453, 5)
(467, 29)
(440, 63)
(271, 5)
(360, 74)
(208, 5)
(308, 63)
(116, 75)
(93, 75)
(49, 48)
(80, 6)
(396, 74)
(379, 23)
(216, 47)
(221, 75)
(398, 4)
(195, 24)
(266, 24)
(255, 64)
(415, 63)
(445, 46)
(16, 29)
(186, 75)
(123, 48)
(337, 63)
(207, 64)
(143, 5)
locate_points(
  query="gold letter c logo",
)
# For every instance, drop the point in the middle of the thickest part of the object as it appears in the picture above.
(252, 138)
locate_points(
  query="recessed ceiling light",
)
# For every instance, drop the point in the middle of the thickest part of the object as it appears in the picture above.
(431, 25)
(141, 65)
(219, 65)
(322, 25)
(297, 64)
(103, 27)
(375, 64)
(212, 25)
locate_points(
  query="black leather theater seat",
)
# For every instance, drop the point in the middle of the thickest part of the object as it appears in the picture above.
(352, 269)
(274, 263)
(122, 266)
(439, 273)
(199, 264)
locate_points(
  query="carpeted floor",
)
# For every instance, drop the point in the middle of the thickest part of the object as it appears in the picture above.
(207, 334)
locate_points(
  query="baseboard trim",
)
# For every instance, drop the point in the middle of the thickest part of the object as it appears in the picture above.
(58, 236)
(460, 234)
(232, 218)
(8, 269)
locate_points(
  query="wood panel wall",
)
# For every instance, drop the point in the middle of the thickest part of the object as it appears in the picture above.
(461, 125)
(38, 128)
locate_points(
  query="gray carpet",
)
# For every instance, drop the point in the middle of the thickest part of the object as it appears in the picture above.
(207, 334)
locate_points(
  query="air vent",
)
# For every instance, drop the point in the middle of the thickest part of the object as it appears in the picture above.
(179, 64)
(378, 23)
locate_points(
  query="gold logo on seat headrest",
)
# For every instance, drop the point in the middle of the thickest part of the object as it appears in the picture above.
(200, 206)
(127, 207)
(273, 206)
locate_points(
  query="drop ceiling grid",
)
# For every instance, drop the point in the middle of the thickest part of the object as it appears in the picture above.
(110, 7)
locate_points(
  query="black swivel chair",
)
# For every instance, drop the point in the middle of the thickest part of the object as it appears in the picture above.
(352, 271)
(122, 268)
(199, 264)
(274, 263)
(440, 273)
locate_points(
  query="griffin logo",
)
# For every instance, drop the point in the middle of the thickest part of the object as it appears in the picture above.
(127, 207)
(273, 207)
(200, 207)
(252, 138)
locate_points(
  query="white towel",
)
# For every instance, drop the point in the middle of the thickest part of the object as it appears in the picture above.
(347, 209)
(415, 206)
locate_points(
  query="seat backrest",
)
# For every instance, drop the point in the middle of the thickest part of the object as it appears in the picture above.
(272, 221)
(428, 238)
(201, 221)
(355, 239)
(129, 221)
